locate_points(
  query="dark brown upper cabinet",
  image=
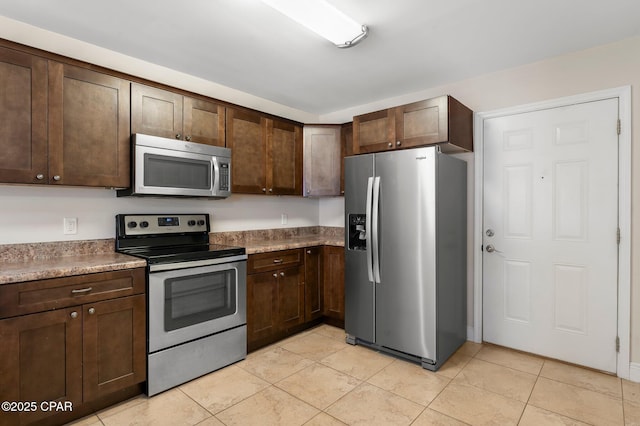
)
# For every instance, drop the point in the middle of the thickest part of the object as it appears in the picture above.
(62, 124)
(442, 120)
(167, 114)
(266, 154)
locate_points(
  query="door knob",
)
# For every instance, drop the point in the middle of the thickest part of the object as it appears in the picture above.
(490, 249)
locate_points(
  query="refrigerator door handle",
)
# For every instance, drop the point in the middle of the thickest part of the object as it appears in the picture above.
(375, 244)
(368, 229)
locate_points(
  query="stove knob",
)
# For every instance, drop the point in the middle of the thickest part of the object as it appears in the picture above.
(132, 224)
(201, 222)
(144, 224)
(191, 223)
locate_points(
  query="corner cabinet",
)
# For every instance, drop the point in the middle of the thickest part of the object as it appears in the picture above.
(266, 154)
(171, 115)
(79, 339)
(322, 160)
(64, 125)
(291, 290)
(442, 120)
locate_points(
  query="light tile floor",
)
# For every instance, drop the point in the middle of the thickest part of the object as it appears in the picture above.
(315, 378)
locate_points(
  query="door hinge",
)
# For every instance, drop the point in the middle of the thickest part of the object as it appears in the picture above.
(619, 126)
(617, 344)
(618, 236)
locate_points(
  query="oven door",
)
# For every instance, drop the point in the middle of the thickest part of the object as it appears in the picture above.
(187, 304)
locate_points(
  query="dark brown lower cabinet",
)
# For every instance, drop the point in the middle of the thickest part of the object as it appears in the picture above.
(313, 278)
(333, 259)
(78, 356)
(290, 290)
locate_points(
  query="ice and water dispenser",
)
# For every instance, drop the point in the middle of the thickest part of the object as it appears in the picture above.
(357, 232)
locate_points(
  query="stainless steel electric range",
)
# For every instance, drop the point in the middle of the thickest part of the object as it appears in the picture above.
(196, 296)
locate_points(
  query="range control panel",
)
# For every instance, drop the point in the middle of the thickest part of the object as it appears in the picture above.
(141, 224)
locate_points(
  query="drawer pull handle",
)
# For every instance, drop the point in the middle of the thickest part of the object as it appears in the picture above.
(82, 290)
(277, 260)
(74, 315)
(92, 311)
(275, 275)
(282, 274)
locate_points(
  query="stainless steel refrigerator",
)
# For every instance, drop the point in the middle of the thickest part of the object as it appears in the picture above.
(405, 257)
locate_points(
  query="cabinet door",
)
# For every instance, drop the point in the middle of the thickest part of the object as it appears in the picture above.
(114, 345)
(246, 136)
(262, 307)
(203, 122)
(88, 127)
(290, 297)
(23, 108)
(313, 283)
(284, 165)
(422, 123)
(322, 160)
(41, 361)
(346, 135)
(374, 132)
(156, 112)
(334, 282)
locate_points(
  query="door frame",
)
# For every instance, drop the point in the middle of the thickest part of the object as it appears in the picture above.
(624, 209)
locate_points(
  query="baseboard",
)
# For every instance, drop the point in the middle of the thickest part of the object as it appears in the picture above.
(634, 372)
(471, 334)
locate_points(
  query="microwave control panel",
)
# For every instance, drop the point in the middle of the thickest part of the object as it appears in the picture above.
(224, 176)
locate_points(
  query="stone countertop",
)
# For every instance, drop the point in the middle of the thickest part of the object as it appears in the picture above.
(267, 240)
(258, 246)
(37, 261)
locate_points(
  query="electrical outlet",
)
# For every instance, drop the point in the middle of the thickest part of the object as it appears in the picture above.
(70, 225)
(283, 218)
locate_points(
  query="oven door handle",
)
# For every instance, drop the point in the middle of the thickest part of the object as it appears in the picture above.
(195, 263)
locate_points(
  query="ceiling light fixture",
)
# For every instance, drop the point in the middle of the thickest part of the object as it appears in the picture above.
(323, 19)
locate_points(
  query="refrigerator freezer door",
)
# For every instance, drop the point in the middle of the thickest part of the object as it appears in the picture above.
(359, 318)
(406, 294)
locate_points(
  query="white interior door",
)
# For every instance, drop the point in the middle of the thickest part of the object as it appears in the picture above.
(550, 232)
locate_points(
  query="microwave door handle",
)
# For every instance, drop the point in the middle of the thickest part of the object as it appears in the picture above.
(215, 174)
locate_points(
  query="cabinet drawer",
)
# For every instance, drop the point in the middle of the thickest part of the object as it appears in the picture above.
(274, 260)
(37, 296)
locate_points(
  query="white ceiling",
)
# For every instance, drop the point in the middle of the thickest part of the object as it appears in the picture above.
(413, 45)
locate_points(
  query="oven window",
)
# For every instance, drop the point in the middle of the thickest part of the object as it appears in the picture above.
(199, 298)
(174, 172)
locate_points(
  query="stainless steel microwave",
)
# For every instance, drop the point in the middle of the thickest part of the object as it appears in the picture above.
(169, 167)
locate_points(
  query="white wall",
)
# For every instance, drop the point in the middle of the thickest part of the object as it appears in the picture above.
(35, 213)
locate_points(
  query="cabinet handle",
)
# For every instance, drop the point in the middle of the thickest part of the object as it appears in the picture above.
(277, 260)
(82, 290)
(74, 315)
(40, 176)
(275, 275)
(398, 143)
(264, 189)
(308, 251)
(282, 274)
(187, 138)
(56, 178)
(390, 144)
(270, 189)
(92, 311)
(178, 136)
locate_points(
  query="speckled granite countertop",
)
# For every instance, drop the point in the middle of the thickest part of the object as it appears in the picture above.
(266, 240)
(36, 261)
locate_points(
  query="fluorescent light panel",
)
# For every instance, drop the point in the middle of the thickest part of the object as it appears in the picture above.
(323, 19)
